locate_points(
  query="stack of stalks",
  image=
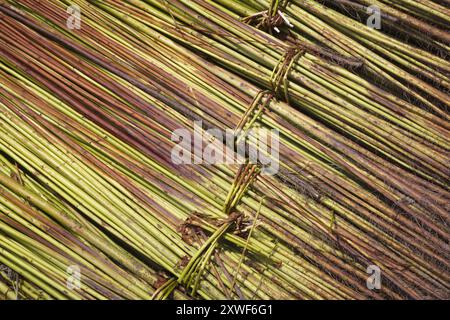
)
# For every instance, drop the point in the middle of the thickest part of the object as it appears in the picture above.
(87, 179)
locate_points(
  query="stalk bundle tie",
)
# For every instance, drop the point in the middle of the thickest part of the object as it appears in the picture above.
(14, 278)
(192, 272)
(246, 174)
(279, 78)
(163, 292)
(271, 18)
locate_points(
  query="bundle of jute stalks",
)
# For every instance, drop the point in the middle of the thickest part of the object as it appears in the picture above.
(122, 176)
